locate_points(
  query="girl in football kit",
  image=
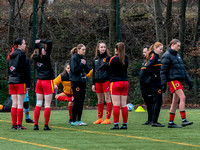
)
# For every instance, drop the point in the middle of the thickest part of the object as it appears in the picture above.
(173, 72)
(101, 84)
(19, 81)
(67, 93)
(44, 86)
(153, 66)
(118, 65)
(78, 78)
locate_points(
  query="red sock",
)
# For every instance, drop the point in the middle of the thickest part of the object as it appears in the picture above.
(47, 112)
(116, 113)
(108, 110)
(183, 115)
(100, 110)
(70, 112)
(37, 114)
(64, 98)
(14, 116)
(20, 116)
(171, 117)
(124, 114)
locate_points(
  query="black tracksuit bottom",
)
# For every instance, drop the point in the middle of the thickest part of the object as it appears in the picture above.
(148, 98)
(157, 100)
(79, 97)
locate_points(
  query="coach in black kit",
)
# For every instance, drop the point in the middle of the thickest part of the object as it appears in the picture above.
(144, 87)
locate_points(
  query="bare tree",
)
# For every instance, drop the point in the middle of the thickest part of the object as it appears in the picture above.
(11, 21)
(112, 26)
(182, 25)
(168, 21)
(196, 60)
(40, 32)
(158, 21)
(19, 18)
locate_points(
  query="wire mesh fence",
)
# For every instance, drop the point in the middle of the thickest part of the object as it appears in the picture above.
(68, 23)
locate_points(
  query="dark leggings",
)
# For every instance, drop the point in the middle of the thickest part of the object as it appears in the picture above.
(79, 97)
(157, 102)
(147, 95)
(26, 106)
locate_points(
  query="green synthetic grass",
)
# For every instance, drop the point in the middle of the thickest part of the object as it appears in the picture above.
(137, 137)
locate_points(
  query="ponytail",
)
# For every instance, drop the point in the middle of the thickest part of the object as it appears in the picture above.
(11, 51)
(155, 45)
(149, 51)
(17, 42)
(74, 50)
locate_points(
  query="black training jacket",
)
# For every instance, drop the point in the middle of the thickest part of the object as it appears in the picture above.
(116, 70)
(18, 68)
(78, 70)
(43, 66)
(153, 67)
(173, 68)
(100, 74)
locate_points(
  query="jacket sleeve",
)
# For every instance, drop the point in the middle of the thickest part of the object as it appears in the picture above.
(187, 77)
(105, 66)
(151, 62)
(86, 68)
(164, 69)
(93, 75)
(49, 46)
(89, 75)
(57, 80)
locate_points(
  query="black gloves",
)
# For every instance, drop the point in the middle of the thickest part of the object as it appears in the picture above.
(190, 85)
(163, 88)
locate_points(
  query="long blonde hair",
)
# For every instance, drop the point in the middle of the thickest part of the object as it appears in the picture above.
(155, 45)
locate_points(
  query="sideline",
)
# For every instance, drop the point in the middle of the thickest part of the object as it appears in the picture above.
(113, 134)
(25, 142)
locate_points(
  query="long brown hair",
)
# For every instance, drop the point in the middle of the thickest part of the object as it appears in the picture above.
(121, 52)
(97, 48)
(155, 45)
(75, 49)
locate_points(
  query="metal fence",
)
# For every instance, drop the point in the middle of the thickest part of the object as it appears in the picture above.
(68, 23)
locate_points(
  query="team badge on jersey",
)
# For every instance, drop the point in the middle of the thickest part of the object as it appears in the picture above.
(159, 91)
(39, 64)
(104, 60)
(12, 68)
(77, 89)
(177, 84)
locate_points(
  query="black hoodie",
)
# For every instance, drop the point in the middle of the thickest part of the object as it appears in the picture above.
(43, 66)
(18, 68)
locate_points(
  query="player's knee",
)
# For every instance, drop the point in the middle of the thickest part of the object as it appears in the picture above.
(39, 103)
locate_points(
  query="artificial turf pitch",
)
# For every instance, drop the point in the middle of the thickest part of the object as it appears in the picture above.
(66, 137)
